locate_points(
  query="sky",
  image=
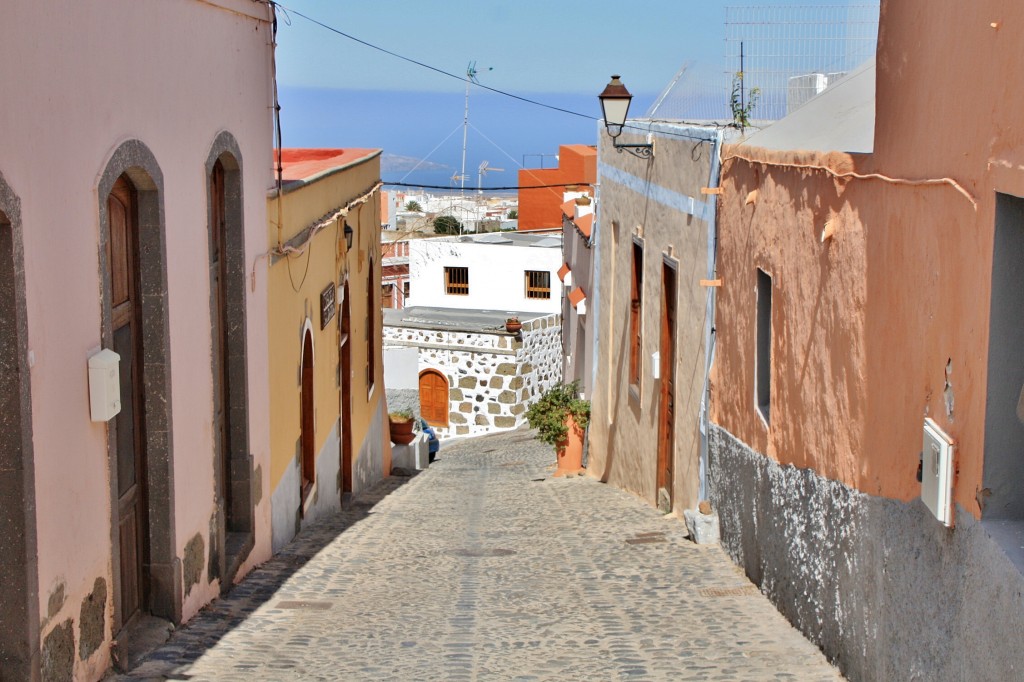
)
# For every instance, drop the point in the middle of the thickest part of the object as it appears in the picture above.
(338, 92)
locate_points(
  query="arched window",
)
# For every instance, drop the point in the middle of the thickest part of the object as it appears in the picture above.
(434, 398)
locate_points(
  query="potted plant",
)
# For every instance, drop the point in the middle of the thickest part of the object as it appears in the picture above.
(513, 325)
(561, 417)
(401, 427)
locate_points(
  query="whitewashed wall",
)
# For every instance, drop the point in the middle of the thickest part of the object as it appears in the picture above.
(496, 275)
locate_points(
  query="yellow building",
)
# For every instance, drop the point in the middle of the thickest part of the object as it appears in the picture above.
(328, 415)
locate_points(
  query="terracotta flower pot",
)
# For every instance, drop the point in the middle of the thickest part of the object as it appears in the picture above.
(513, 327)
(570, 450)
(401, 432)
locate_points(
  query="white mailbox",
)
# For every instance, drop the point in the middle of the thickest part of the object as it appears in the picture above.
(937, 472)
(104, 385)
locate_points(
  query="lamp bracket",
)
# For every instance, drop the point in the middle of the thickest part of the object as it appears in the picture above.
(641, 151)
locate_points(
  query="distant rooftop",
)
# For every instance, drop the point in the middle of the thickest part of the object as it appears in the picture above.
(840, 119)
(543, 240)
(454, 319)
(301, 166)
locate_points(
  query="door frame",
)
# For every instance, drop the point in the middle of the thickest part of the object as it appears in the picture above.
(667, 388)
(19, 620)
(134, 159)
(233, 471)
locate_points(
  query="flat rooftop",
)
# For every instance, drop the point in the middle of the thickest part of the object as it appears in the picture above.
(301, 166)
(455, 319)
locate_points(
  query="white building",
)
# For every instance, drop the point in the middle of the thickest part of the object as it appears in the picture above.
(494, 271)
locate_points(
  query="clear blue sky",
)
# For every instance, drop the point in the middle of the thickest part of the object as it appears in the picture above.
(337, 92)
(532, 45)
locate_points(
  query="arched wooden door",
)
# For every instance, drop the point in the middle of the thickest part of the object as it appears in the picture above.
(132, 518)
(307, 466)
(434, 398)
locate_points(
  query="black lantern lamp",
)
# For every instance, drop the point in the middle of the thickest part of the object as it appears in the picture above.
(349, 232)
(615, 101)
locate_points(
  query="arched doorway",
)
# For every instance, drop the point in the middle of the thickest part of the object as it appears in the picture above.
(19, 597)
(133, 260)
(344, 323)
(434, 398)
(307, 440)
(232, 459)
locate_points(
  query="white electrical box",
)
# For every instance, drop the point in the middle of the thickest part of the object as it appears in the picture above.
(104, 385)
(656, 365)
(937, 472)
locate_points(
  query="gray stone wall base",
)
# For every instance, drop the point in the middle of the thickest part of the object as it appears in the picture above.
(884, 589)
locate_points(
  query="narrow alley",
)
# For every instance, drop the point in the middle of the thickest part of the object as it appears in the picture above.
(484, 567)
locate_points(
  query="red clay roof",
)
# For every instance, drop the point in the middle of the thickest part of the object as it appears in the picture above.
(303, 164)
(585, 224)
(569, 208)
(577, 295)
(563, 271)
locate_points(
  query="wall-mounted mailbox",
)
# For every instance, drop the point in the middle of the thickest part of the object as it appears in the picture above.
(104, 385)
(937, 472)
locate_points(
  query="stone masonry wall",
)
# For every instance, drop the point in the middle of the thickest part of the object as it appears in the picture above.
(492, 376)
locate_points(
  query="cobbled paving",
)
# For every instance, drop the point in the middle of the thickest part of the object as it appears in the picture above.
(484, 567)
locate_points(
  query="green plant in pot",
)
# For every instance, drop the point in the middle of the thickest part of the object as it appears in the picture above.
(561, 418)
(401, 422)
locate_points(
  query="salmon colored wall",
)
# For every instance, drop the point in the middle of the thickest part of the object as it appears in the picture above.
(867, 322)
(541, 208)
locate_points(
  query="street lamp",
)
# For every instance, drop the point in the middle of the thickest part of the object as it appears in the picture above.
(615, 101)
(348, 236)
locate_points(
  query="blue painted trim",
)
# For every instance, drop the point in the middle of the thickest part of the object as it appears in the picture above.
(699, 209)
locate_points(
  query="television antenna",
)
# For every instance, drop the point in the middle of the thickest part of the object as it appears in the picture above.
(470, 79)
(485, 168)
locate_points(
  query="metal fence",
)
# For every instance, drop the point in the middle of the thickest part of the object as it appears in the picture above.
(787, 55)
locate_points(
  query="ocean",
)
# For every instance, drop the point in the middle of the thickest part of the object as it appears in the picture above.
(504, 132)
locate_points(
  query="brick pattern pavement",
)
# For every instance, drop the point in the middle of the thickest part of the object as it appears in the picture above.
(484, 568)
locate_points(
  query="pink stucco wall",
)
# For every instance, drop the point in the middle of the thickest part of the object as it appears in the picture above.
(81, 78)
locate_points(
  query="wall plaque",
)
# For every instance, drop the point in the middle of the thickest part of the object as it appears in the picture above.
(327, 307)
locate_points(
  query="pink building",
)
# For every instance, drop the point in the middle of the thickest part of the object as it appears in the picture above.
(134, 162)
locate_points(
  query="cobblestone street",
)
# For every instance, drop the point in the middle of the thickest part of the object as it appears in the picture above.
(483, 567)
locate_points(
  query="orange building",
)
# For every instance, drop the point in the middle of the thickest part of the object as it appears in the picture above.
(541, 208)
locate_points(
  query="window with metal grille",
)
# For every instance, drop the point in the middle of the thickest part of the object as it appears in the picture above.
(538, 284)
(456, 281)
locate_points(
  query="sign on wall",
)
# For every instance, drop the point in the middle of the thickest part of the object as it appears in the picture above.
(327, 305)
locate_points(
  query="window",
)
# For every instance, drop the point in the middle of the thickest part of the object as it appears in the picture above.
(538, 284)
(635, 300)
(405, 291)
(763, 358)
(456, 281)
(386, 297)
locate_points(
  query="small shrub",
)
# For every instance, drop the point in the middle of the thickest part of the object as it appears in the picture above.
(548, 414)
(400, 416)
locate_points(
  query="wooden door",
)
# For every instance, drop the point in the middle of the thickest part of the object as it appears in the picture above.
(434, 398)
(346, 395)
(221, 385)
(308, 444)
(131, 519)
(666, 430)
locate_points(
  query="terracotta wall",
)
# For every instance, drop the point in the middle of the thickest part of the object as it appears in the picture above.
(541, 208)
(867, 323)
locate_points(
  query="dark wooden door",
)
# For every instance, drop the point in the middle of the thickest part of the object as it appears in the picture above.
(434, 398)
(131, 520)
(308, 443)
(344, 322)
(221, 385)
(666, 431)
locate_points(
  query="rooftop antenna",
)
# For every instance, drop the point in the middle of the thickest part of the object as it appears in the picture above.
(485, 168)
(470, 79)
